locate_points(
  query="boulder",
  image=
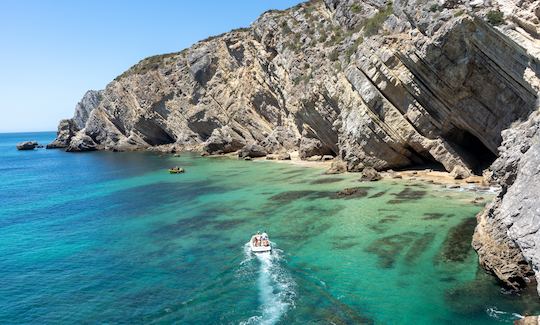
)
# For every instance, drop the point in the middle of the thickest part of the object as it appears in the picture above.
(460, 172)
(369, 174)
(284, 156)
(327, 157)
(337, 167)
(223, 140)
(310, 147)
(252, 150)
(314, 158)
(27, 145)
(81, 142)
(281, 138)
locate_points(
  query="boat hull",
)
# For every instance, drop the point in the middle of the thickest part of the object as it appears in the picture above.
(260, 249)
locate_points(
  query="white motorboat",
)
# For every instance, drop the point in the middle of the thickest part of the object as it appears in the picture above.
(260, 243)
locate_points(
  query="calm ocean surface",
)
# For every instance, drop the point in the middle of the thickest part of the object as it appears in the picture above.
(112, 238)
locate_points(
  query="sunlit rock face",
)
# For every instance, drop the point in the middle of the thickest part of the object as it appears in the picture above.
(374, 83)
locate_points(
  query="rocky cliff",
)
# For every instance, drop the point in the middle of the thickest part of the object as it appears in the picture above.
(374, 83)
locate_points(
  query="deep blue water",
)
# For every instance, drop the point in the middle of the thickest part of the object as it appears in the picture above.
(113, 238)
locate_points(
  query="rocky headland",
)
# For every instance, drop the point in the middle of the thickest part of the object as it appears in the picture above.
(372, 84)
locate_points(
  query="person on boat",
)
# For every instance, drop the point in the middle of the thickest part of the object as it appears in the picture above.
(264, 239)
(258, 239)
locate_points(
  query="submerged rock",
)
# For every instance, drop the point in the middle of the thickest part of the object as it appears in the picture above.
(352, 192)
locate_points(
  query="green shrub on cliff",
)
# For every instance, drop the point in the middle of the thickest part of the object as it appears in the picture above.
(285, 28)
(434, 8)
(373, 24)
(148, 64)
(495, 17)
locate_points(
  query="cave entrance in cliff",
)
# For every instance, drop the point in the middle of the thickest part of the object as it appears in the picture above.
(474, 151)
(421, 161)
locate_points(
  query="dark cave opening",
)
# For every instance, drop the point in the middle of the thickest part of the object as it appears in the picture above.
(471, 148)
(422, 161)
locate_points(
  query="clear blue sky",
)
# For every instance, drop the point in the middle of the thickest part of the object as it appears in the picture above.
(53, 51)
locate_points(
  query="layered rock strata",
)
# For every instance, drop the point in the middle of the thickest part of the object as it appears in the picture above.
(377, 84)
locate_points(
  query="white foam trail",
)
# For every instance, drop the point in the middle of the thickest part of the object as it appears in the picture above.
(276, 289)
(502, 316)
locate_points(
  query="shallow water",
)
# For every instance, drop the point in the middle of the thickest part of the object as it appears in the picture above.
(113, 238)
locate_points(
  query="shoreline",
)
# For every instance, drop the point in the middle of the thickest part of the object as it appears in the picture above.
(430, 176)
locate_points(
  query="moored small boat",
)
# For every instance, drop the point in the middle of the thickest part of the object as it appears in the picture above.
(260, 243)
(176, 170)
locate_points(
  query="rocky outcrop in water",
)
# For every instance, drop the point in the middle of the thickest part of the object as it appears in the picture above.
(27, 145)
(374, 83)
(68, 128)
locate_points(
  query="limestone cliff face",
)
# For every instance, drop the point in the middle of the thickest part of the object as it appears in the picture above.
(375, 83)
(507, 237)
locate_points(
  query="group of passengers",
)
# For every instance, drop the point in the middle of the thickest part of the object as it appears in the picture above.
(261, 239)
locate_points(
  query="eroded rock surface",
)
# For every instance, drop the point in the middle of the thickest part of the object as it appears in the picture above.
(507, 237)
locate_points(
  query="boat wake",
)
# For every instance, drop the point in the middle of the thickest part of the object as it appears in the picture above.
(502, 316)
(275, 285)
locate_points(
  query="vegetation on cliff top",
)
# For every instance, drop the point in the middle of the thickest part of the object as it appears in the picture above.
(147, 64)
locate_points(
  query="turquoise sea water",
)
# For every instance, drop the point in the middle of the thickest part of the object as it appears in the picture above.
(112, 238)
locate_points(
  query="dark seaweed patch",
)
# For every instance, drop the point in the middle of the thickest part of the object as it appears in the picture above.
(378, 228)
(448, 279)
(378, 194)
(306, 231)
(433, 216)
(343, 237)
(407, 194)
(382, 226)
(293, 172)
(323, 195)
(389, 219)
(457, 245)
(322, 211)
(419, 246)
(228, 224)
(188, 225)
(326, 180)
(290, 196)
(352, 193)
(343, 245)
(388, 248)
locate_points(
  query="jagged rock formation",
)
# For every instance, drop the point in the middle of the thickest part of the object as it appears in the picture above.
(68, 128)
(377, 84)
(507, 237)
